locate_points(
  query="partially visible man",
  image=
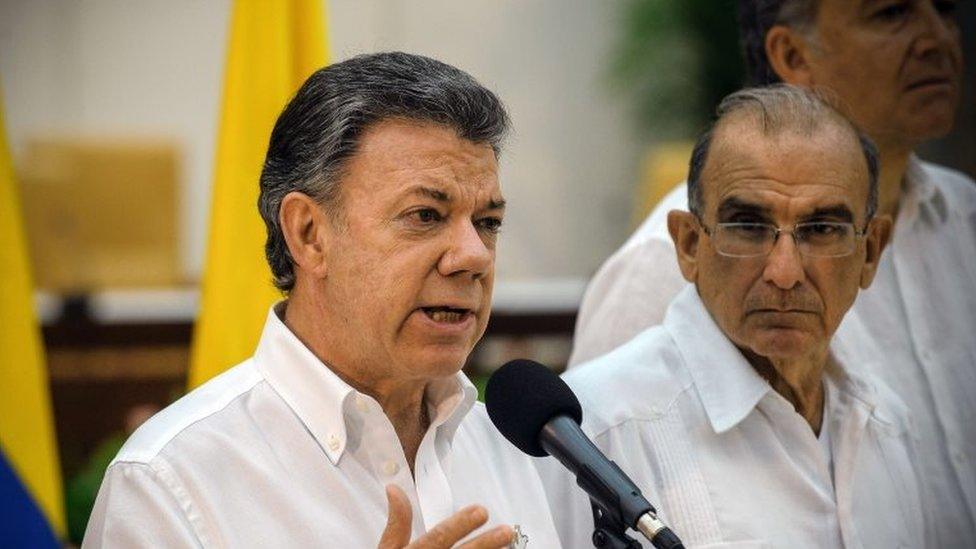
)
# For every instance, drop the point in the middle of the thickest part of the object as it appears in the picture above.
(352, 425)
(735, 416)
(894, 68)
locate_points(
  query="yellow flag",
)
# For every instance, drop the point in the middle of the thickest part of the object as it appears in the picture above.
(30, 474)
(274, 46)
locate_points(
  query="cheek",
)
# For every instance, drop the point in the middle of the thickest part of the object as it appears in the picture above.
(723, 286)
(866, 80)
(376, 288)
(837, 283)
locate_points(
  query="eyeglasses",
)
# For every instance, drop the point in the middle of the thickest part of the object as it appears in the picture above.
(813, 239)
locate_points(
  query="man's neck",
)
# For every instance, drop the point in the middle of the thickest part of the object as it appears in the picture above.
(406, 408)
(800, 381)
(402, 400)
(893, 163)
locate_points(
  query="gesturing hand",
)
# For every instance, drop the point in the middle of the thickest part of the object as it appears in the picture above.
(451, 530)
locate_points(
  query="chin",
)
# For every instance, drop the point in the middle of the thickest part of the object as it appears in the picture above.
(933, 129)
(439, 361)
(782, 344)
(931, 122)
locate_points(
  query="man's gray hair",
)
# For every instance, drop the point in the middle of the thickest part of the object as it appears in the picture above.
(756, 17)
(778, 108)
(321, 127)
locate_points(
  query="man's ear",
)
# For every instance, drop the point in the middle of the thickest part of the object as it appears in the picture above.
(307, 231)
(788, 54)
(684, 229)
(876, 238)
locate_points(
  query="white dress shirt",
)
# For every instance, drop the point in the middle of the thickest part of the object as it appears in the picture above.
(280, 452)
(726, 459)
(921, 310)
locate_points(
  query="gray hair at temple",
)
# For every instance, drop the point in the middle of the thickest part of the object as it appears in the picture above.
(756, 17)
(320, 129)
(779, 108)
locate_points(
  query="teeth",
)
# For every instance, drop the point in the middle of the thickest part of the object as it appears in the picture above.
(445, 316)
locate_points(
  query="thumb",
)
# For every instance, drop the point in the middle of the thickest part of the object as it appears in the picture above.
(398, 523)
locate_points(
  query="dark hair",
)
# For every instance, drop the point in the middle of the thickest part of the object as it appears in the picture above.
(756, 17)
(780, 107)
(320, 128)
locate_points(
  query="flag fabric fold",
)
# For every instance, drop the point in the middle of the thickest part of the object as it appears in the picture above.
(272, 48)
(31, 503)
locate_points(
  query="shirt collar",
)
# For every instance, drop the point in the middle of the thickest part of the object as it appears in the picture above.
(729, 387)
(322, 400)
(449, 400)
(921, 198)
(846, 369)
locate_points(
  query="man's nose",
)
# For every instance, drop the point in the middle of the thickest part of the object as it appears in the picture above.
(784, 265)
(467, 253)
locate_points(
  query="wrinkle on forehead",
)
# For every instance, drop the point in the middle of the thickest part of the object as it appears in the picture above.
(464, 175)
(785, 204)
(827, 165)
(423, 155)
(433, 146)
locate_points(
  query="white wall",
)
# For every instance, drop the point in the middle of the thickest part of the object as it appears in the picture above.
(153, 68)
(120, 68)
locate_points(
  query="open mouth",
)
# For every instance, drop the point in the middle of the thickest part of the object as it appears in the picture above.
(448, 315)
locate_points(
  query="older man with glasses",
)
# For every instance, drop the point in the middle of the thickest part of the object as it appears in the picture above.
(895, 70)
(736, 416)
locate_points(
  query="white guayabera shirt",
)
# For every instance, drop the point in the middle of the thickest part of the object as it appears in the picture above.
(280, 452)
(726, 459)
(920, 310)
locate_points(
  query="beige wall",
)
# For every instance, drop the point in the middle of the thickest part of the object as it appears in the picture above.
(153, 68)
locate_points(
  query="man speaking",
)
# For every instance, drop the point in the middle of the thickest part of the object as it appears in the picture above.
(351, 425)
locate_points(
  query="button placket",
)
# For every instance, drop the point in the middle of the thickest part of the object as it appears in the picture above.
(433, 487)
(390, 468)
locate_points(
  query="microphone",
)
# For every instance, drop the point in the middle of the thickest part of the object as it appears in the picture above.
(537, 412)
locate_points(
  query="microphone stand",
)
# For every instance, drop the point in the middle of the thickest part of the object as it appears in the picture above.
(610, 533)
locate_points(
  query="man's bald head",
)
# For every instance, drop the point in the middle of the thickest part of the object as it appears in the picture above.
(770, 111)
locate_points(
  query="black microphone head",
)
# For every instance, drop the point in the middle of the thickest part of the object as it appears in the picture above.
(522, 396)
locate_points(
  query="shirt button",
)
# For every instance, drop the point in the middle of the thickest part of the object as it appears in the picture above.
(959, 457)
(390, 468)
(334, 443)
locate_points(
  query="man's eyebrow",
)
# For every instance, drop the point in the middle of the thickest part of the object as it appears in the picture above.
(734, 205)
(835, 212)
(433, 193)
(441, 196)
